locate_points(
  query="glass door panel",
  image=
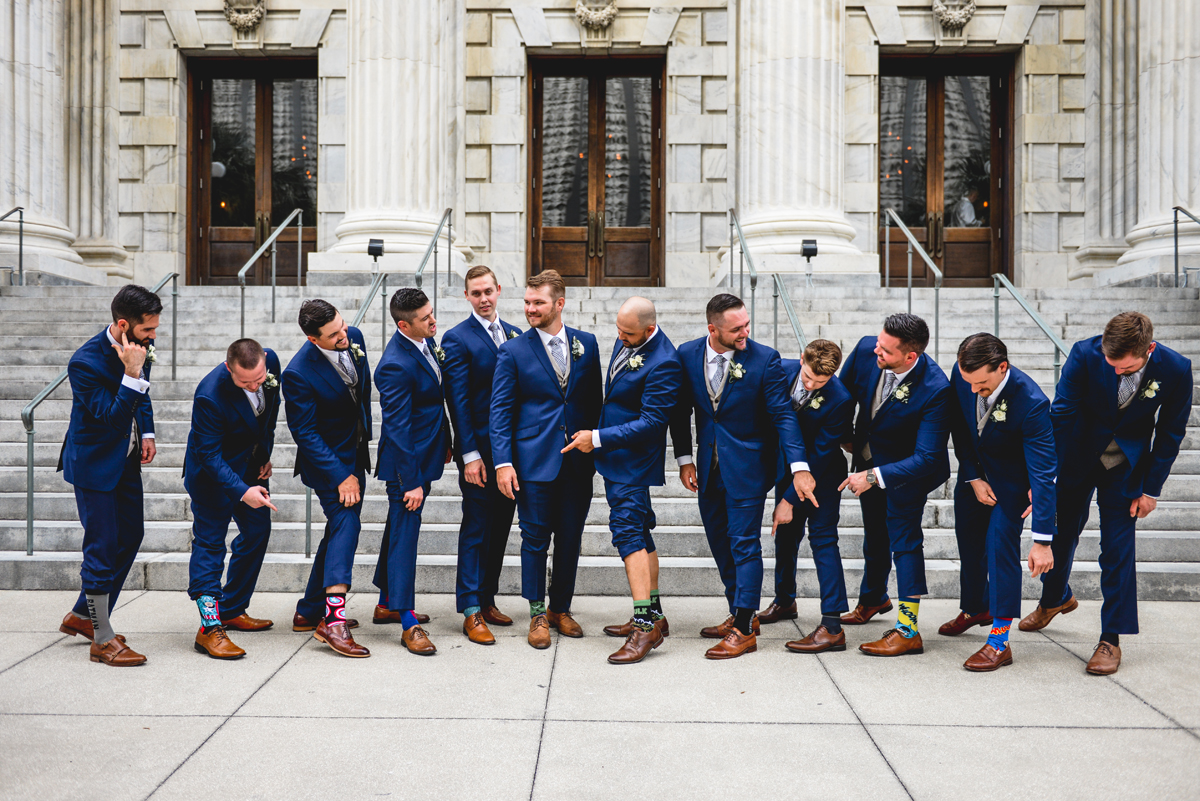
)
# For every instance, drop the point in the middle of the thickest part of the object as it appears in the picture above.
(903, 133)
(233, 228)
(293, 168)
(624, 227)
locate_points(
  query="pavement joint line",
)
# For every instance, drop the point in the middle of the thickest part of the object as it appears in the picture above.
(545, 715)
(35, 653)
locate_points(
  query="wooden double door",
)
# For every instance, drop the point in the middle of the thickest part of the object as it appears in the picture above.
(253, 160)
(944, 133)
(596, 170)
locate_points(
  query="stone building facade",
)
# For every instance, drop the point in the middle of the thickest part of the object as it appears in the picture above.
(1073, 121)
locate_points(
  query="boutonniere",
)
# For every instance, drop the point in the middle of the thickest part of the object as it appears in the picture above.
(902, 392)
(440, 354)
(1149, 392)
(576, 348)
(815, 402)
(151, 356)
(736, 371)
(271, 381)
(356, 351)
(512, 334)
(1000, 413)
(635, 362)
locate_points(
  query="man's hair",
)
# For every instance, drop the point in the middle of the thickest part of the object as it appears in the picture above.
(315, 314)
(135, 303)
(910, 329)
(245, 353)
(823, 356)
(479, 271)
(720, 304)
(406, 302)
(981, 350)
(1127, 334)
(550, 278)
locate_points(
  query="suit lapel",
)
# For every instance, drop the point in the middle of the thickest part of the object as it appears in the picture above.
(539, 352)
(475, 327)
(1001, 398)
(572, 364)
(325, 370)
(407, 344)
(911, 380)
(235, 396)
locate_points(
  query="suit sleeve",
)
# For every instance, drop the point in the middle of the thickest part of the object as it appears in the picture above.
(849, 378)
(456, 373)
(838, 428)
(1066, 409)
(969, 468)
(395, 397)
(658, 401)
(775, 394)
(88, 387)
(273, 366)
(301, 405)
(207, 433)
(593, 389)
(1042, 463)
(368, 422)
(932, 434)
(680, 419)
(1168, 433)
(504, 398)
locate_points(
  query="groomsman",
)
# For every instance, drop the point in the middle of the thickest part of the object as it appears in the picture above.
(825, 413)
(1000, 421)
(111, 434)
(1120, 411)
(327, 396)
(630, 444)
(737, 389)
(900, 456)
(226, 470)
(471, 348)
(414, 445)
(546, 387)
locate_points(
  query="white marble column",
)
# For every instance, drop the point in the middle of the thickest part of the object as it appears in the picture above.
(790, 136)
(92, 130)
(32, 122)
(1168, 170)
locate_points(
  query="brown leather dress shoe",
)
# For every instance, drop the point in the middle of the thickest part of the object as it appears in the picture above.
(988, 658)
(637, 645)
(565, 624)
(383, 615)
(494, 616)
(539, 632)
(417, 641)
(719, 632)
(819, 641)
(1040, 617)
(217, 644)
(863, 614)
(301, 623)
(1106, 658)
(733, 645)
(244, 622)
(775, 612)
(893, 643)
(963, 622)
(116, 653)
(338, 638)
(623, 629)
(477, 631)
(81, 626)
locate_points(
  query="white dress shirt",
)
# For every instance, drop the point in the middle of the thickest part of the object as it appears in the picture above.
(632, 353)
(137, 384)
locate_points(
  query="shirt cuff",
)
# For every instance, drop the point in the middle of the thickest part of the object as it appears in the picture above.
(969, 480)
(473, 456)
(682, 460)
(1148, 495)
(136, 384)
(878, 477)
(595, 438)
(800, 467)
(1044, 539)
(506, 464)
(148, 436)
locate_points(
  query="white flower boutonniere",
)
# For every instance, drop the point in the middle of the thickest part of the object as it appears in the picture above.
(440, 354)
(1000, 413)
(736, 371)
(356, 351)
(815, 402)
(151, 356)
(902, 393)
(576, 348)
(635, 362)
(1149, 392)
(271, 381)
(513, 334)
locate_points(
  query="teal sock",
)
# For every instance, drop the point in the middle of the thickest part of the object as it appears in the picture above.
(471, 610)
(536, 608)
(210, 616)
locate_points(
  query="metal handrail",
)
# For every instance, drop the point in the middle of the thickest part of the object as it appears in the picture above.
(1176, 211)
(937, 280)
(55, 383)
(298, 215)
(780, 289)
(20, 212)
(744, 260)
(1060, 349)
(445, 221)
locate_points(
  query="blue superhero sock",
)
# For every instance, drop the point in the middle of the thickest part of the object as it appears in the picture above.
(998, 639)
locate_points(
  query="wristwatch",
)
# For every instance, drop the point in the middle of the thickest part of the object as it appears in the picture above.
(871, 478)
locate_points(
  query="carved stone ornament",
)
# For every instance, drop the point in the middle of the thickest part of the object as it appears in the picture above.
(595, 18)
(953, 17)
(245, 15)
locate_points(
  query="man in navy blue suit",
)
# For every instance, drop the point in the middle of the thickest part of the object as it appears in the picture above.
(414, 445)
(900, 455)
(737, 389)
(111, 434)
(1120, 412)
(327, 397)
(1000, 421)
(226, 470)
(546, 388)
(630, 444)
(471, 349)
(825, 413)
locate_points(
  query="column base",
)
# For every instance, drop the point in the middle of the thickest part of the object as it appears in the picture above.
(106, 257)
(1150, 259)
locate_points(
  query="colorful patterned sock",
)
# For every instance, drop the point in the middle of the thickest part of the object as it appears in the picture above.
(656, 605)
(907, 623)
(335, 608)
(536, 608)
(642, 617)
(408, 619)
(998, 639)
(210, 615)
(832, 623)
(471, 610)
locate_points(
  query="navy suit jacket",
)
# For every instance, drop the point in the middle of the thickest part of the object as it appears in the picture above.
(908, 437)
(1086, 417)
(323, 417)
(414, 435)
(753, 419)
(532, 420)
(826, 421)
(468, 370)
(102, 414)
(637, 409)
(228, 445)
(1014, 454)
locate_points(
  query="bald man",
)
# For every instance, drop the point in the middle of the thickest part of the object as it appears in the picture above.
(643, 380)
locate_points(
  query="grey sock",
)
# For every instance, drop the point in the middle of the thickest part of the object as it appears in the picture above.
(98, 611)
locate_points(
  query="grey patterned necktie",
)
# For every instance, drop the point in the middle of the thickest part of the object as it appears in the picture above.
(346, 369)
(981, 407)
(718, 376)
(889, 384)
(1126, 389)
(619, 362)
(260, 402)
(432, 361)
(497, 334)
(800, 398)
(560, 359)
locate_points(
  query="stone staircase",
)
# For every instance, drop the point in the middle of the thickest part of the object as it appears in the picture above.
(44, 325)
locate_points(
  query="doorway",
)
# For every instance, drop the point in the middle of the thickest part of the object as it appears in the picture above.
(596, 201)
(252, 161)
(944, 138)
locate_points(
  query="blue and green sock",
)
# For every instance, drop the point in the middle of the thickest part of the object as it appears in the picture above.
(536, 608)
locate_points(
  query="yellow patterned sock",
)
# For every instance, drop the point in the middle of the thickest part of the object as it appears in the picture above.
(907, 624)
